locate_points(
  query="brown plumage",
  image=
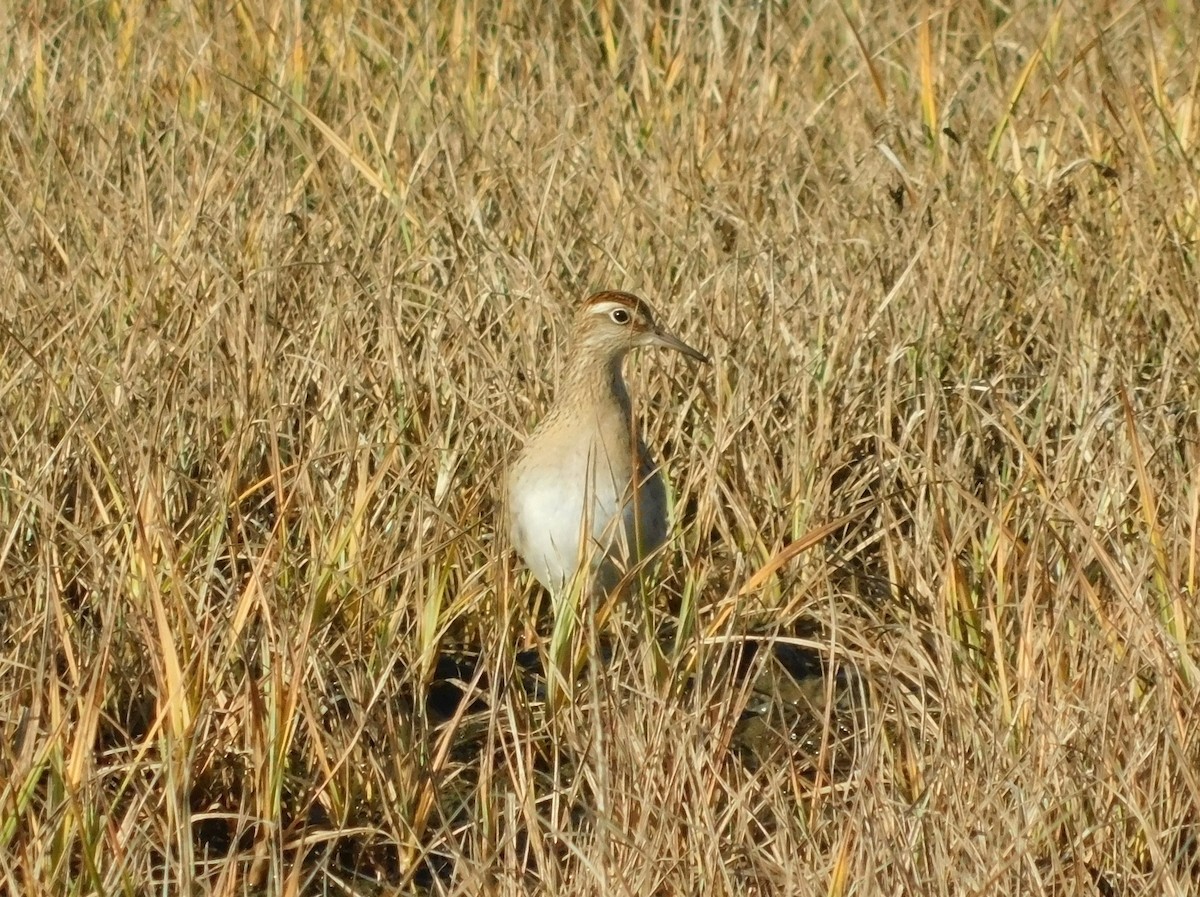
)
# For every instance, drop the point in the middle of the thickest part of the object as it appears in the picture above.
(585, 470)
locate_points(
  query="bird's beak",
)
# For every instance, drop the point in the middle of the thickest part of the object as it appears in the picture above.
(669, 340)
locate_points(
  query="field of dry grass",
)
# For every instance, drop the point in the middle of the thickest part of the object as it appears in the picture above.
(281, 290)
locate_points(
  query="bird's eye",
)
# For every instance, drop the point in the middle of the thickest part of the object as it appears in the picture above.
(619, 316)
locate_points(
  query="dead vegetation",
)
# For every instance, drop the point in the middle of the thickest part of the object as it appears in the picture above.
(281, 289)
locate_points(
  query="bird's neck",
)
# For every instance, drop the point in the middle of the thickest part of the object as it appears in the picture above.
(594, 382)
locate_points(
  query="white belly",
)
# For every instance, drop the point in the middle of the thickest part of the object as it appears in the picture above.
(580, 511)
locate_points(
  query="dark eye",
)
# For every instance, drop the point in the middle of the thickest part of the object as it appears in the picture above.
(619, 316)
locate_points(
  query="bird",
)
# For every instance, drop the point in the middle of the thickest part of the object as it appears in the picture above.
(584, 493)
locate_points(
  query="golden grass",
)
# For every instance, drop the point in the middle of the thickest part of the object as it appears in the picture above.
(280, 291)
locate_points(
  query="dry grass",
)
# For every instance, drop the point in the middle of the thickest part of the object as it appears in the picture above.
(279, 293)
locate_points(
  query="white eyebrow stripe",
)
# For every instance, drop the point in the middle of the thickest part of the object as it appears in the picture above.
(608, 307)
